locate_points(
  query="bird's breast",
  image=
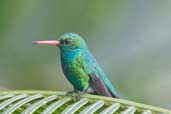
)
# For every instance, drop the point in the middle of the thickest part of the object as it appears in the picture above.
(68, 61)
(73, 72)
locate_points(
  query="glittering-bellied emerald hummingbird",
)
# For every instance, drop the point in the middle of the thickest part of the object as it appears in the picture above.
(80, 67)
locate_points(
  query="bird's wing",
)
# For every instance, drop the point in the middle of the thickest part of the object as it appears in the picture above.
(98, 79)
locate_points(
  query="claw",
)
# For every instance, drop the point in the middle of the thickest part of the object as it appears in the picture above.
(78, 97)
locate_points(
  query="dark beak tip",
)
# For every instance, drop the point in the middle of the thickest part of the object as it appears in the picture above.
(34, 42)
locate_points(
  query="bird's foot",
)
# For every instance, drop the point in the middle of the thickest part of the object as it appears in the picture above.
(76, 94)
(80, 94)
(71, 93)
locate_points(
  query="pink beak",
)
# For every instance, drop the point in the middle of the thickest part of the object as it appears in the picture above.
(47, 42)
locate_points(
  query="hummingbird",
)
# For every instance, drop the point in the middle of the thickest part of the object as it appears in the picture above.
(80, 67)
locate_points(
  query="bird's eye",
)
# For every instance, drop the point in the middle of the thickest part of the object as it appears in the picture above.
(67, 41)
(62, 42)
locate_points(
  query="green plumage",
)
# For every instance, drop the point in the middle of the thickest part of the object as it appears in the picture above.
(73, 71)
(80, 67)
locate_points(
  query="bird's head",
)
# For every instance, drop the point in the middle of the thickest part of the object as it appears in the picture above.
(66, 42)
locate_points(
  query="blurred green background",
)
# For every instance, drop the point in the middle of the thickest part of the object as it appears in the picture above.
(130, 39)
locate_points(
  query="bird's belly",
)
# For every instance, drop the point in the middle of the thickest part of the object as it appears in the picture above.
(76, 76)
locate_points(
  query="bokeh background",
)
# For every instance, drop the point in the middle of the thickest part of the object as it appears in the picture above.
(131, 40)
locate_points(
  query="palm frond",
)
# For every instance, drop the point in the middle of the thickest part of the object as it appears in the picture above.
(48, 102)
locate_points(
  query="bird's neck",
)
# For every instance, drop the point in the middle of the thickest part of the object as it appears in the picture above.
(69, 54)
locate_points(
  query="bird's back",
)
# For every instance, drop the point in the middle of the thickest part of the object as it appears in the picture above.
(96, 68)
